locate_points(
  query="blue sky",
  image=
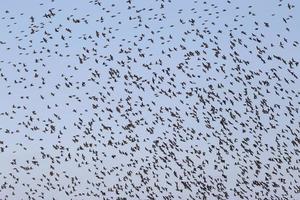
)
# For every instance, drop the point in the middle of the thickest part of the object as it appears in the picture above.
(44, 86)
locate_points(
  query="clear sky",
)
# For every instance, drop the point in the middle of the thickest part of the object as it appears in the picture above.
(162, 99)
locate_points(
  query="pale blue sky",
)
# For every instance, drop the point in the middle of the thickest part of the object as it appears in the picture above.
(19, 70)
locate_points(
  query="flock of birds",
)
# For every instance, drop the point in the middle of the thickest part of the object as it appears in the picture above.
(158, 99)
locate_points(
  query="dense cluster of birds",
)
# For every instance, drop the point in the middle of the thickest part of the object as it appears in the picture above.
(156, 99)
